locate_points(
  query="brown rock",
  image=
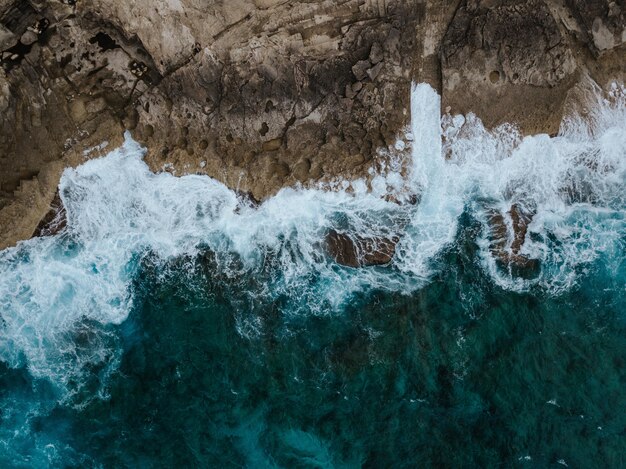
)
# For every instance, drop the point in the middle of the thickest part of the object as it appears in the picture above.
(279, 169)
(505, 246)
(521, 219)
(54, 221)
(7, 38)
(489, 64)
(374, 71)
(603, 23)
(301, 170)
(78, 111)
(28, 38)
(272, 145)
(357, 251)
(273, 76)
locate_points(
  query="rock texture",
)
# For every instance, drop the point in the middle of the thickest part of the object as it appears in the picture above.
(357, 251)
(515, 60)
(507, 240)
(266, 93)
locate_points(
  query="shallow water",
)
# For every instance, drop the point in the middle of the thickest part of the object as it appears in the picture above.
(172, 325)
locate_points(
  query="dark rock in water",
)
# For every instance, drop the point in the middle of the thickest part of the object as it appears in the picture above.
(54, 221)
(246, 199)
(411, 199)
(357, 251)
(521, 219)
(522, 266)
(499, 231)
(508, 256)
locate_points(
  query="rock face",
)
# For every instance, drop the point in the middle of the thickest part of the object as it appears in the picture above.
(54, 221)
(602, 23)
(515, 60)
(266, 93)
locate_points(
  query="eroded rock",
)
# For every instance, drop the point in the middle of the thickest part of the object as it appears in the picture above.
(508, 237)
(358, 251)
(603, 23)
(269, 93)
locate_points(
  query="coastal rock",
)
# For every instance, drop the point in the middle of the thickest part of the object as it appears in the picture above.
(357, 251)
(603, 23)
(500, 58)
(508, 237)
(54, 221)
(245, 86)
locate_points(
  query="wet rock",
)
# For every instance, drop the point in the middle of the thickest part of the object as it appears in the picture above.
(521, 218)
(403, 199)
(264, 76)
(246, 199)
(507, 240)
(357, 251)
(54, 221)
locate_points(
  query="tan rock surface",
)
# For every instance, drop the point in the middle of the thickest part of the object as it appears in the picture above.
(266, 93)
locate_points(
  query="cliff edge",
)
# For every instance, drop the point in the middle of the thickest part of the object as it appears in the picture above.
(262, 94)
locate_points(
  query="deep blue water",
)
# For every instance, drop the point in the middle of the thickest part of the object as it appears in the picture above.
(459, 374)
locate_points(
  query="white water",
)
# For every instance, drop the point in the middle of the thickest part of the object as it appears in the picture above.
(59, 295)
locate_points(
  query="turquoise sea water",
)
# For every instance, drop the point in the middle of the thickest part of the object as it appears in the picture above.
(170, 326)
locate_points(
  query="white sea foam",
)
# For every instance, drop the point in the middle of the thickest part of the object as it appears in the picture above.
(60, 295)
(575, 182)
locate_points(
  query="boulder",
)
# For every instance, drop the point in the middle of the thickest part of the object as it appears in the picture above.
(507, 240)
(29, 37)
(358, 251)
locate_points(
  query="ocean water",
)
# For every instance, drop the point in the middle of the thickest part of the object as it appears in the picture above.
(172, 324)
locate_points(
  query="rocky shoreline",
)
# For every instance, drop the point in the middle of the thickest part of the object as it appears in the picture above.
(265, 94)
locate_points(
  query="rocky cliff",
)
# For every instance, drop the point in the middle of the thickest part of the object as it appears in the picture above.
(266, 93)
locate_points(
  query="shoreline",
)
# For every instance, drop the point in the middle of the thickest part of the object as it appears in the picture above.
(266, 96)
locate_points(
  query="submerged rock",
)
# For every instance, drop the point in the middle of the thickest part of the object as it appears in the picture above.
(358, 251)
(508, 239)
